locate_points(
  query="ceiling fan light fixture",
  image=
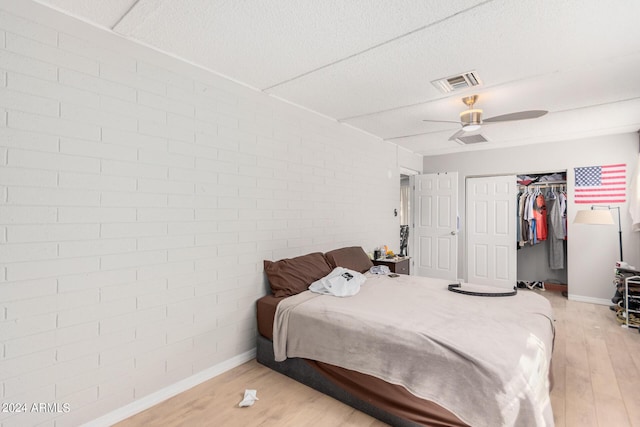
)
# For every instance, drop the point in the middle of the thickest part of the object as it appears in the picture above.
(470, 128)
(471, 119)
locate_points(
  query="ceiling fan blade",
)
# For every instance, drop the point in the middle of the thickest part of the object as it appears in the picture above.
(456, 135)
(520, 115)
(441, 121)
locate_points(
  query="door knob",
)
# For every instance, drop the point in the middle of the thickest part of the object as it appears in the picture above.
(453, 233)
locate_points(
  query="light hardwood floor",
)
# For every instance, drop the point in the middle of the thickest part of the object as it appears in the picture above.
(596, 369)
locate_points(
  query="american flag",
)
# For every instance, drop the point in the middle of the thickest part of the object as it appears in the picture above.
(601, 184)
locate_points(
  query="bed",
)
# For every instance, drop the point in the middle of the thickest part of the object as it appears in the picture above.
(407, 351)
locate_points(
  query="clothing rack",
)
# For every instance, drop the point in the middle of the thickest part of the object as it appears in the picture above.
(533, 217)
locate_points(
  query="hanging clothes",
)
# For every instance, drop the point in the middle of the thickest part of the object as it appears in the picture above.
(556, 231)
(533, 213)
(531, 219)
(563, 211)
(540, 215)
(523, 224)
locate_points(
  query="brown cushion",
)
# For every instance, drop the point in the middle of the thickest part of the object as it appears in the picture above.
(293, 275)
(353, 258)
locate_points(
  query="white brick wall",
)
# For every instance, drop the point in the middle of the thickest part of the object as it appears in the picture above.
(138, 198)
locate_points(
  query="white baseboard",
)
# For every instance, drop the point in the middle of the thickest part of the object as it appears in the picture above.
(591, 300)
(170, 391)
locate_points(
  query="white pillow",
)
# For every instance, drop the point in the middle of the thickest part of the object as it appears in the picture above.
(341, 282)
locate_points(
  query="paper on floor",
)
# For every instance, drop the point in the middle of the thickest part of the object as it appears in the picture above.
(250, 396)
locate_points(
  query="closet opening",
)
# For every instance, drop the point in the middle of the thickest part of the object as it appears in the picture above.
(542, 231)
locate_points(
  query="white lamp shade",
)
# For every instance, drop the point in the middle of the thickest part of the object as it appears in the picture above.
(594, 216)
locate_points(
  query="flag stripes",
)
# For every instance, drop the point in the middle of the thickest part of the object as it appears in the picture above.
(601, 184)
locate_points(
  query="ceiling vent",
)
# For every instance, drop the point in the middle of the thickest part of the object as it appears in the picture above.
(458, 82)
(471, 139)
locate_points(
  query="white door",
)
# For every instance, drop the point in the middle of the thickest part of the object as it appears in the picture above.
(435, 230)
(491, 231)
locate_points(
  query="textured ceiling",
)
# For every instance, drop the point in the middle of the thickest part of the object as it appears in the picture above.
(369, 63)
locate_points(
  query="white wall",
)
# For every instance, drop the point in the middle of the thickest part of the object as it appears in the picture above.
(139, 196)
(408, 160)
(592, 250)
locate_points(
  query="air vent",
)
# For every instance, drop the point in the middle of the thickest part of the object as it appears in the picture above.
(471, 139)
(458, 82)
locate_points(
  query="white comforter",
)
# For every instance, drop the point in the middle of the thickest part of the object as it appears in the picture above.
(484, 359)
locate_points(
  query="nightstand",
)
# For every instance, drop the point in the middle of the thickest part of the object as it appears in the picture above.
(396, 265)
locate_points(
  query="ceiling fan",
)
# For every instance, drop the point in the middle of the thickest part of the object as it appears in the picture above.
(471, 118)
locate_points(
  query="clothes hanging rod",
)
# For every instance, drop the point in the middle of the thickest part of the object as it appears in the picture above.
(544, 184)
